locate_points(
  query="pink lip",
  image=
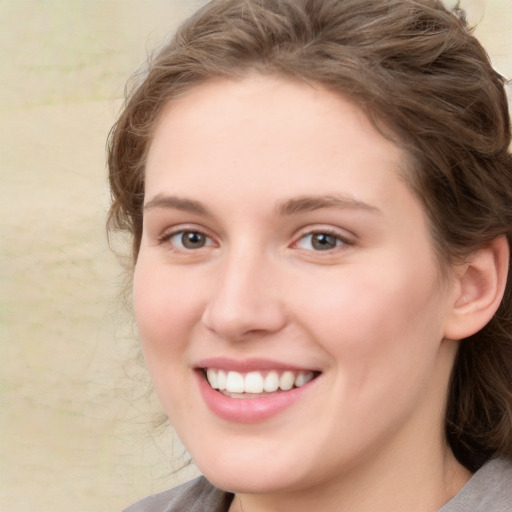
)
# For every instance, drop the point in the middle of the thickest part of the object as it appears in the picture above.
(247, 410)
(247, 365)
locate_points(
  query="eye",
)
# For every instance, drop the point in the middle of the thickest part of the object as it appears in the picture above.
(190, 240)
(320, 242)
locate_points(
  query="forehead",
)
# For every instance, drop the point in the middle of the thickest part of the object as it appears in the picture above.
(265, 125)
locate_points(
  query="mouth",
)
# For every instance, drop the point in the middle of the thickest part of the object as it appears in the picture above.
(256, 384)
(253, 390)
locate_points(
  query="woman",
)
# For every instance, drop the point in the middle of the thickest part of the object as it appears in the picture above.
(319, 198)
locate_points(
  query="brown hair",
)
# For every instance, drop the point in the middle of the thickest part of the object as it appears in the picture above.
(421, 76)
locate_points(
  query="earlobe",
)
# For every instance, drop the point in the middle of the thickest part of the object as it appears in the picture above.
(480, 283)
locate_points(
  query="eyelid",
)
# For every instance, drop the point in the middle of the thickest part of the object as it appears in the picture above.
(169, 233)
(346, 239)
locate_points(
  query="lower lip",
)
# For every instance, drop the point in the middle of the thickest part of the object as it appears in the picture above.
(249, 410)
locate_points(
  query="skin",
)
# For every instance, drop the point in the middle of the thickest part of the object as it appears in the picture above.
(370, 314)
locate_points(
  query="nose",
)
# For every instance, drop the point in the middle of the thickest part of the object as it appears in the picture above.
(245, 300)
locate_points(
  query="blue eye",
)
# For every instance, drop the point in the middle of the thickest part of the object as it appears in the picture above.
(319, 242)
(190, 240)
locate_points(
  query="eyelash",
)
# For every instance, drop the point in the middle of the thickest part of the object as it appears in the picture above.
(167, 237)
(340, 240)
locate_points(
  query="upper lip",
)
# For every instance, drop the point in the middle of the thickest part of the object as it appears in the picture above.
(248, 365)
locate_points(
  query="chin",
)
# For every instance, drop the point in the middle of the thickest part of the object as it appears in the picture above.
(250, 483)
(256, 478)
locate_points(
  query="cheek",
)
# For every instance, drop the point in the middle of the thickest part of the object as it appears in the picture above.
(165, 311)
(383, 337)
(160, 296)
(374, 313)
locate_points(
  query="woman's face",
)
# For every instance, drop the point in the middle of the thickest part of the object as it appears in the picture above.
(283, 249)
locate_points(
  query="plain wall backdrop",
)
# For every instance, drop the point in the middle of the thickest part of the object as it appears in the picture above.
(76, 431)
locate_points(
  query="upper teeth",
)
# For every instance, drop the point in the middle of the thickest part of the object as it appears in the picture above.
(256, 382)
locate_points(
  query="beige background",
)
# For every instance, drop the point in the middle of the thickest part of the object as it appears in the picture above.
(75, 417)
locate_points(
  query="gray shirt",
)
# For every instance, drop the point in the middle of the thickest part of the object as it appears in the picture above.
(489, 490)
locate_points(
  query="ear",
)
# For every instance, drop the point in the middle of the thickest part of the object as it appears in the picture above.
(480, 284)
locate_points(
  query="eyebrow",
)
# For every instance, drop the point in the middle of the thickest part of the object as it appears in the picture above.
(310, 203)
(176, 203)
(289, 207)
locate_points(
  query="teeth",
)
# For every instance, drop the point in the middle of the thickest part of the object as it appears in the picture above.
(253, 383)
(303, 378)
(211, 375)
(287, 381)
(235, 382)
(271, 382)
(256, 382)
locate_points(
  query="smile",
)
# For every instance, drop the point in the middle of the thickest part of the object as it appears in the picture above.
(254, 390)
(256, 384)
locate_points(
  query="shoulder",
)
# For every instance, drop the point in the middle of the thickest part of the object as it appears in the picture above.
(195, 496)
(489, 490)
